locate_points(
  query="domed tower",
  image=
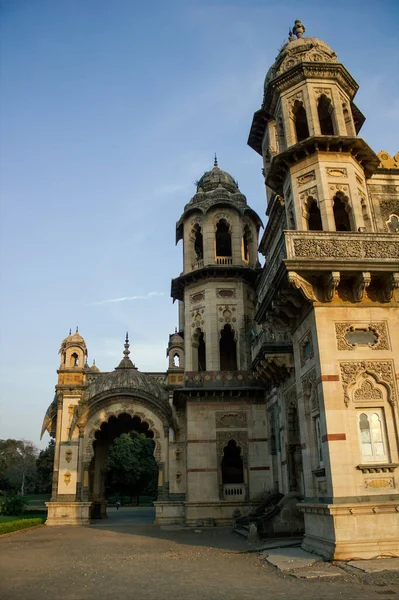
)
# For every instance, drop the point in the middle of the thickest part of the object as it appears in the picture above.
(328, 302)
(219, 232)
(73, 352)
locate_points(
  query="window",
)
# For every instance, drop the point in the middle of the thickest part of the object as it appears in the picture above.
(74, 360)
(325, 109)
(314, 219)
(201, 352)
(223, 239)
(176, 360)
(348, 120)
(228, 350)
(393, 224)
(341, 215)
(300, 121)
(372, 436)
(245, 243)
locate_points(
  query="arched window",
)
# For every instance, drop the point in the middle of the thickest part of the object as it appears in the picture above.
(198, 242)
(341, 215)
(372, 436)
(176, 360)
(223, 239)
(228, 350)
(300, 121)
(325, 109)
(232, 465)
(246, 238)
(314, 219)
(74, 360)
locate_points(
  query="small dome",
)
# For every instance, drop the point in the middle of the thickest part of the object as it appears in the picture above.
(176, 340)
(73, 340)
(303, 49)
(211, 180)
(94, 368)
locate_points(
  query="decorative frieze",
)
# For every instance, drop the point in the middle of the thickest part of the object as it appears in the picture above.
(317, 247)
(379, 329)
(382, 371)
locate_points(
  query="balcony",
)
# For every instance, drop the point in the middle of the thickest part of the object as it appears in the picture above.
(198, 264)
(224, 260)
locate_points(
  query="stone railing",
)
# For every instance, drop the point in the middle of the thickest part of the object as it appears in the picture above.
(224, 260)
(198, 264)
(271, 267)
(346, 248)
(212, 379)
(233, 491)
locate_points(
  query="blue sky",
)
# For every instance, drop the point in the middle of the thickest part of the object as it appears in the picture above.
(109, 113)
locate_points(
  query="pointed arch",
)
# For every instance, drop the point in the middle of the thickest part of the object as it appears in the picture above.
(342, 213)
(223, 239)
(232, 464)
(227, 349)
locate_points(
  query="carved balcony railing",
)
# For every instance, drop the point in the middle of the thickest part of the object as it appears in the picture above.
(224, 260)
(271, 340)
(341, 251)
(198, 264)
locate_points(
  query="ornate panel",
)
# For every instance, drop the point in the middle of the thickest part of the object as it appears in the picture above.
(336, 172)
(238, 419)
(197, 317)
(388, 207)
(306, 348)
(225, 293)
(378, 328)
(227, 315)
(382, 371)
(197, 297)
(306, 178)
(240, 437)
(309, 388)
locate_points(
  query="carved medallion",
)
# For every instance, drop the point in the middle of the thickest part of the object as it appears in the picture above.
(231, 419)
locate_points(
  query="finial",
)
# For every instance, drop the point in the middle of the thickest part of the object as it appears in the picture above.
(290, 35)
(94, 362)
(70, 331)
(215, 162)
(298, 29)
(77, 329)
(175, 329)
(126, 351)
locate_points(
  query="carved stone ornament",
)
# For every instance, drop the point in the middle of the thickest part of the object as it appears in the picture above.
(391, 284)
(340, 248)
(224, 437)
(194, 298)
(309, 192)
(361, 283)
(67, 478)
(322, 91)
(309, 387)
(306, 178)
(68, 455)
(330, 285)
(388, 207)
(222, 215)
(292, 99)
(291, 399)
(337, 172)
(379, 328)
(227, 315)
(226, 293)
(302, 284)
(382, 371)
(306, 349)
(367, 391)
(225, 420)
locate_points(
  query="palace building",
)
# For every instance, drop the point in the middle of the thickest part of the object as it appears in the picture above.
(282, 380)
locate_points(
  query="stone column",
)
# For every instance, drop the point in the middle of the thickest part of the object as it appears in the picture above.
(57, 450)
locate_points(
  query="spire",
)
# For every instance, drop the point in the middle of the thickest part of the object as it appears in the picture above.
(215, 162)
(77, 329)
(126, 363)
(70, 331)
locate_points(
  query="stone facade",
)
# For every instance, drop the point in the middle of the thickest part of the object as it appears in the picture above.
(281, 379)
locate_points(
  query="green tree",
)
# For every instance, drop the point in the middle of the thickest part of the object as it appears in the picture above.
(44, 468)
(131, 464)
(18, 465)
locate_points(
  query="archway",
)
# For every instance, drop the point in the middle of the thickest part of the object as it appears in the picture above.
(102, 486)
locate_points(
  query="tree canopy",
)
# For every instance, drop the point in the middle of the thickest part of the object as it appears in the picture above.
(132, 468)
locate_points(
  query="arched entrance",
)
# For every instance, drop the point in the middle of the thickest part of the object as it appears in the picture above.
(101, 481)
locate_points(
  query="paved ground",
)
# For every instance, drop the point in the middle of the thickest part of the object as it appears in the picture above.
(127, 557)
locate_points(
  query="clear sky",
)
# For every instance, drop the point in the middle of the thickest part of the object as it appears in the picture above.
(110, 110)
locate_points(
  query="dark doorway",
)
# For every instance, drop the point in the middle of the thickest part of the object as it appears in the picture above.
(324, 109)
(228, 350)
(314, 221)
(341, 217)
(201, 352)
(232, 465)
(198, 243)
(223, 239)
(301, 121)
